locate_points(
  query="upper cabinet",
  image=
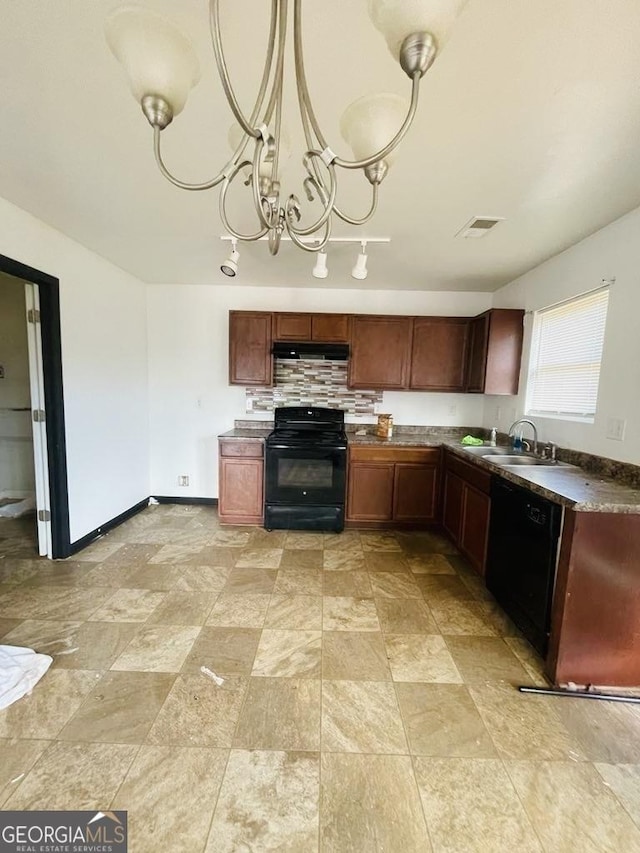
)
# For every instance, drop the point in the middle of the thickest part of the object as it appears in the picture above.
(448, 354)
(439, 354)
(380, 352)
(250, 361)
(329, 328)
(292, 327)
(495, 350)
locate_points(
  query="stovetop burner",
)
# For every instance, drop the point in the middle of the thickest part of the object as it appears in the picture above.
(313, 426)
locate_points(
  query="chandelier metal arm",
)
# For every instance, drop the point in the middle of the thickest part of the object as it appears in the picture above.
(255, 184)
(329, 203)
(276, 91)
(223, 209)
(207, 185)
(313, 247)
(214, 17)
(380, 155)
(374, 206)
(304, 99)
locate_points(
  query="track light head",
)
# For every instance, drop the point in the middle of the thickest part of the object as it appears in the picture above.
(360, 269)
(320, 270)
(230, 266)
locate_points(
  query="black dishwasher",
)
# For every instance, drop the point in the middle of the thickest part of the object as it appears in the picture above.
(521, 558)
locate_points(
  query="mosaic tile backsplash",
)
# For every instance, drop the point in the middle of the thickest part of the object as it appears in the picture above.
(312, 382)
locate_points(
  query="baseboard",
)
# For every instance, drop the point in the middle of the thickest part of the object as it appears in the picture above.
(168, 499)
(79, 544)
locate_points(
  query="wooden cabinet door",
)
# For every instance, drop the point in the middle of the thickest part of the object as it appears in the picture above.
(495, 352)
(439, 353)
(415, 492)
(477, 363)
(330, 327)
(240, 492)
(250, 360)
(380, 352)
(292, 327)
(452, 507)
(504, 351)
(370, 491)
(474, 532)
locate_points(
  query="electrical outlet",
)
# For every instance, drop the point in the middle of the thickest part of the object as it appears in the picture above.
(452, 409)
(183, 480)
(616, 428)
(498, 413)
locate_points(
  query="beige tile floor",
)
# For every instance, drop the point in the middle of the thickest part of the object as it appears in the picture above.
(368, 701)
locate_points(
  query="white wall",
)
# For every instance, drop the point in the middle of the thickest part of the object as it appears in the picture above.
(104, 354)
(612, 252)
(16, 444)
(191, 401)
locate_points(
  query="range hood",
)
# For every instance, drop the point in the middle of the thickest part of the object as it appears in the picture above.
(309, 349)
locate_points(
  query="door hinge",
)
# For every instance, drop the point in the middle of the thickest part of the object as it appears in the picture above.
(33, 315)
(38, 416)
(44, 515)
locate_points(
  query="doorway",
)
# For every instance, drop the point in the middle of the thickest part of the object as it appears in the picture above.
(42, 413)
(18, 528)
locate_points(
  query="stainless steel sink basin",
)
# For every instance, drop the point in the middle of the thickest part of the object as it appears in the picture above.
(486, 450)
(504, 456)
(523, 459)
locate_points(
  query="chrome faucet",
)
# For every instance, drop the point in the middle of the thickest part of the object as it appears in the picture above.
(533, 427)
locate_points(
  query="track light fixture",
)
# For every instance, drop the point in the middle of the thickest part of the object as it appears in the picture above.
(360, 269)
(230, 266)
(162, 67)
(320, 270)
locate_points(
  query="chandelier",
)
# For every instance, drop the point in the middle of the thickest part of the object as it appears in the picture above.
(162, 67)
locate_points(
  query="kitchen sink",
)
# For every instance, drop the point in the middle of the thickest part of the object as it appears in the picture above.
(486, 450)
(524, 459)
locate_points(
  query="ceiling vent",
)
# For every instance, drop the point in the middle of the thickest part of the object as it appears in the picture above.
(479, 226)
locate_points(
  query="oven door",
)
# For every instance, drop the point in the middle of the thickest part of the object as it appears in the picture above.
(305, 475)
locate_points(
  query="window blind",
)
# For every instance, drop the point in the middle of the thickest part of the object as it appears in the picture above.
(566, 352)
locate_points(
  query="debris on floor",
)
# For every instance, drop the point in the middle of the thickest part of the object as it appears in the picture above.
(20, 671)
(219, 681)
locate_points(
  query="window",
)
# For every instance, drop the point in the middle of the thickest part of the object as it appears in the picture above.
(566, 350)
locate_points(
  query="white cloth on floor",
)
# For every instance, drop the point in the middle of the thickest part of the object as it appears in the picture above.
(20, 670)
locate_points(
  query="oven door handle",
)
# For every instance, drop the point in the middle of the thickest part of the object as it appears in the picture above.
(290, 447)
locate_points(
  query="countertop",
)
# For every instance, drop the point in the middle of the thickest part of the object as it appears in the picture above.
(569, 485)
(246, 434)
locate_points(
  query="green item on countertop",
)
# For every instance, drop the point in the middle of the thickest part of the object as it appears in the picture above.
(469, 439)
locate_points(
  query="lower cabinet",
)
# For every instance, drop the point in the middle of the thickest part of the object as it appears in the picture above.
(241, 481)
(467, 508)
(392, 486)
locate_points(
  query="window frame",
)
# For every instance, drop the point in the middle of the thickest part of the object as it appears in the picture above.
(534, 362)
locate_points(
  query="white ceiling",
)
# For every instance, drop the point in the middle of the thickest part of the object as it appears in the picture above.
(532, 113)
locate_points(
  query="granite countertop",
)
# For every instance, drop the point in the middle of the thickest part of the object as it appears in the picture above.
(569, 485)
(246, 434)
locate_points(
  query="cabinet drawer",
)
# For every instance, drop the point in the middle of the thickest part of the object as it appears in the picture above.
(365, 453)
(231, 447)
(470, 473)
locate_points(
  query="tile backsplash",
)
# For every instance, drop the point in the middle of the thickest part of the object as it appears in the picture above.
(312, 382)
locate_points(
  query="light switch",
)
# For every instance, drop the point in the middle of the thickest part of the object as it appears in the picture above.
(616, 428)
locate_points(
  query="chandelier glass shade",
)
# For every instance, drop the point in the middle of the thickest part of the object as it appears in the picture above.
(162, 67)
